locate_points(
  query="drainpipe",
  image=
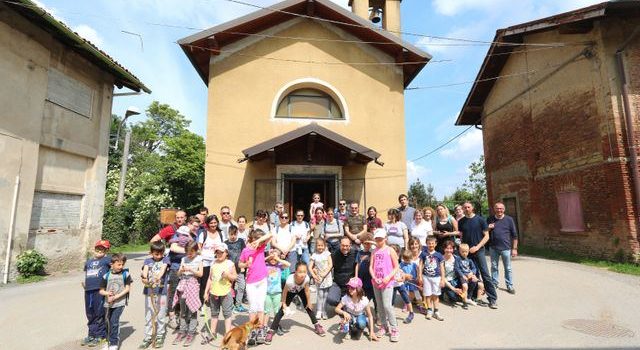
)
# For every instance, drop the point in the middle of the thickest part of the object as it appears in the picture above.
(11, 228)
(626, 105)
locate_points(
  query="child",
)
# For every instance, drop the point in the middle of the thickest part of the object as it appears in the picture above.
(235, 245)
(465, 267)
(297, 285)
(321, 266)
(243, 230)
(355, 311)
(154, 270)
(453, 289)
(415, 249)
(176, 252)
(363, 259)
(187, 294)
(431, 278)
(252, 259)
(218, 290)
(115, 288)
(383, 268)
(406, 281)
(94, 269)
(275, 267)
(315, 204)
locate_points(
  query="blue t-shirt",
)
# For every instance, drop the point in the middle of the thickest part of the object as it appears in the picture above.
(503, 232)
(94, 269)
(465, 266)
(472, 229)
(363, 268)
(409, 268)
(154, 270)
(274, 278)
(431, 263)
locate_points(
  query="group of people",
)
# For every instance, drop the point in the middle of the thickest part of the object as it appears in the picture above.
(210, 265)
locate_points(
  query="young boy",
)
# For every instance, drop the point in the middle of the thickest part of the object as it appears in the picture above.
(94, 269)
(409, 273)
(115, 288)
(431, 278)
(467, 268)
(155, 295)
(234, 247)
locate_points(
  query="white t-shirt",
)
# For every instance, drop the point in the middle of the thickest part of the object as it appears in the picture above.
(244, 234)
(264, 227)
(190, 263)
(395, 233)
(224, 227)
(293, 287)
(299, 230)
(283, 236)
(421, 231)
(208, 247)
(352, 308)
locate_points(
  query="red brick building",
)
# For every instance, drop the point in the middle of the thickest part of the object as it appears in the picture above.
(558, 103)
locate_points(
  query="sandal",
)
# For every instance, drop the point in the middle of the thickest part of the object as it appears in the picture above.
(206, 339)
(159, 342)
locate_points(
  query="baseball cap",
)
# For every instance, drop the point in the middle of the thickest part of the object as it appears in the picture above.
(355, 282)
(379, 233)
(103, 243)
(221, 247)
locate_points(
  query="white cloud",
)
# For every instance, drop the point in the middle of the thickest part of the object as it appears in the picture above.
(89, 33)
(469, 145)
(415, 172)
(52, 11)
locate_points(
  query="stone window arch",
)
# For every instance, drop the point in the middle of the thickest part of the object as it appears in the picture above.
(309, 99)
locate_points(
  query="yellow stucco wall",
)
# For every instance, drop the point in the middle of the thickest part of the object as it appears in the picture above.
(242, 89)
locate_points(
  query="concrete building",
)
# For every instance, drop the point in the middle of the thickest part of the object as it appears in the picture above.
(305, 97)
(560, 131)
(56, 94)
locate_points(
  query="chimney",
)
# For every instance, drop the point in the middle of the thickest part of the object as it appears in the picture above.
(370, 10)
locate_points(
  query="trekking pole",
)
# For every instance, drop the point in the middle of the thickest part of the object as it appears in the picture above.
(154, 316)
(207, 324)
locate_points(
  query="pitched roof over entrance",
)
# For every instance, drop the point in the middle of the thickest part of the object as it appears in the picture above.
(300, 142)
(200, 46)
(578, 21)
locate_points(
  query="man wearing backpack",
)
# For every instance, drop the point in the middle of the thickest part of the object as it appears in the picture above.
(170, 230)
(301, 233)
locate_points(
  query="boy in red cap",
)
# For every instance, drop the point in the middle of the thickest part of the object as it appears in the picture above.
(94, 269)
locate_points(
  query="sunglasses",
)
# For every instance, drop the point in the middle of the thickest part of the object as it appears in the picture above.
(284, 217)
(226, 213)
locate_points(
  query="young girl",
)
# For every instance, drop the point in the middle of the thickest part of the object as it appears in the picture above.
(355, 311)
(252, 259)
(243, 230)
(297, 285)
(210, 238)
(218, 290)
(275, 267)
(187, 294)
(315, 204)
(321, 266)
(383, 268)
(431, 278)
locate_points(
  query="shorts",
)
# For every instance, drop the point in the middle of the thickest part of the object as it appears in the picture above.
(256, 293)
(224, 303)
(272, 303)
(431, 286)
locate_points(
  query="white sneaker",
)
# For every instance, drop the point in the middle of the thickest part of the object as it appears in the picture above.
(471, 302)
(318, 315)
(113, 347)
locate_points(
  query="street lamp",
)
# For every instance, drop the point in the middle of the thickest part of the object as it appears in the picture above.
(130, 111)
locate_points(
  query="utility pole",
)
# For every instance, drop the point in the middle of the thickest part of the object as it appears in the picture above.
(123, 170)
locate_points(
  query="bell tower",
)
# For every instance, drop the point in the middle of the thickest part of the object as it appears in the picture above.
(387, 11)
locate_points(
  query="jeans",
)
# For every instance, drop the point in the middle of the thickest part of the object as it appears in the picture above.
(481, 262)
(172, 284)
(94, 308)
(333, 244)
(293, 257)
(506, 262)
(113, 324)
(161, 317)
(357, 325)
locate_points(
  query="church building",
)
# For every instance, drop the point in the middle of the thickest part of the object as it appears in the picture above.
(306, 96)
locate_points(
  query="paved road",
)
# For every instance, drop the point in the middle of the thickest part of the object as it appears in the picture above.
(559, 305)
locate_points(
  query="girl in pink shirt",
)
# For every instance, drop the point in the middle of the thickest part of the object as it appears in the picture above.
(383, 268)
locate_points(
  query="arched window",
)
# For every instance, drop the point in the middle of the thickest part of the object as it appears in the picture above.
(309, 103)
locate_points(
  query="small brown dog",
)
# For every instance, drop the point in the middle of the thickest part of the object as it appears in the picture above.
(236, 338)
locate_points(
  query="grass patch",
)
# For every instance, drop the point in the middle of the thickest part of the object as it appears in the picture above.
(626, 268)
(30, 279)
(130, 248)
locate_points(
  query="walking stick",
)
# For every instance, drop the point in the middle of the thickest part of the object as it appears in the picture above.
(154, 316)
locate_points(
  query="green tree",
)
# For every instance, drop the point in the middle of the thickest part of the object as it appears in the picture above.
(417, 194)
(430, 200)
(476, 184)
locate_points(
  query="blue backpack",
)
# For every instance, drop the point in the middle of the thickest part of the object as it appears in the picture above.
(125, 275)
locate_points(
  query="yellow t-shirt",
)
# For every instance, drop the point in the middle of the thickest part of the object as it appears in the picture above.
(220, 286)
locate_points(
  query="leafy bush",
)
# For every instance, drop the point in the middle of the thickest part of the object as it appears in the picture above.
(30, 263)
(114, 227)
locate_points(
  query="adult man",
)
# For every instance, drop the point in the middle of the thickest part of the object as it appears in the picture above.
(344, 264)
(274, 217)
(356, 225)
(503, 243)
(226, 220)
(168, 231)
(475, 233)
(341, 213)
(406, 211)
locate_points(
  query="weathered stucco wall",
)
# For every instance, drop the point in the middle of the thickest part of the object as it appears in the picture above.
(242, 89)
(564, 134)
(59, 154)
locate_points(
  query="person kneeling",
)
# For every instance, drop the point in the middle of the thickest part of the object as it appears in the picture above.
(355, 311)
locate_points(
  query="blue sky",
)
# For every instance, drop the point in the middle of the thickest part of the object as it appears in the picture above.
(154, 57)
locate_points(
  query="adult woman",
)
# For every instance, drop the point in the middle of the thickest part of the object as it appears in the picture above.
(261, 221)
(317, 228)
(207, 243)
(243, 230)
(446, 227)
(283, 238)
(373, 222)
(397, 232)
(421, 228)
(333, 231)
(459, 213)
